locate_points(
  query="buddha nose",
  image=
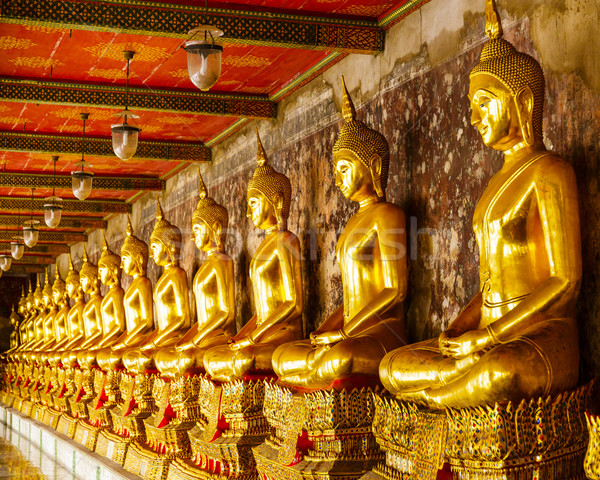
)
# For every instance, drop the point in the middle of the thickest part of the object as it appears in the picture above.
(475, 117)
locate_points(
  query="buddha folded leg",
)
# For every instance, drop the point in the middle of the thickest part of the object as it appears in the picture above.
(109, 359)
(542, 361)
(171, 362)
(303, 364)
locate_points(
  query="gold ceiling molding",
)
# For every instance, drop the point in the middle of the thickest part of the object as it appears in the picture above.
(10, 120)
(107, 73)
(114, 51)
(241, 61)
(10, 43)
(72, 113)
(368, 10)
(173, 120)
(36, 62)
(180, 73)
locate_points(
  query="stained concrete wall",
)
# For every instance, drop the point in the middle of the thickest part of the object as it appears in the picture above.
(415, 92)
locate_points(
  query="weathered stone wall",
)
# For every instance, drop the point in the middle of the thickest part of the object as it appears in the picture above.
(416, 94)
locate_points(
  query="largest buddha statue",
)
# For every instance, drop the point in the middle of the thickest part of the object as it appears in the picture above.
(518, 337)
(372, 256)
(275, 273)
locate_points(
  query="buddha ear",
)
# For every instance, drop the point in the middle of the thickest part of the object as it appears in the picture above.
(524, 103)
(217, 228)
(375, 163)
(278, 205)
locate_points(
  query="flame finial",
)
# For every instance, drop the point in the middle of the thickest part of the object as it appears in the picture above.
(493, 27)
(201, 186)
(348, 111)
(104, 242)
(261, 155)
(159, 211)
(129, 226)
(85, 255)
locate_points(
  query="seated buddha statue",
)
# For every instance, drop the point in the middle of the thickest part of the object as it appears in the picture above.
(48, 325)
(14, 323)
(37, 323)
(171, 297)
(371, 252)
(137, 302)
(213, 290)
(74, 317)
(60, 308)
(275, 273)
(113, 312)
(91, 314)
(517, 339)
(24, 326)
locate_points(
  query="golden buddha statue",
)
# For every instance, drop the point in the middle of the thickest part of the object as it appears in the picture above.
(48, 326)
(371, 253)
(14, 335)
(275, 272)
(113, 312)
(517, 338)
(74, 317)
(171, 297)
(91, 314)
(61, 329)
(37, 322)
(137, 302)
(213, 289)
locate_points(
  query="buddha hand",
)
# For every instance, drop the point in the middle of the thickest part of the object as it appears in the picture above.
(465, 344)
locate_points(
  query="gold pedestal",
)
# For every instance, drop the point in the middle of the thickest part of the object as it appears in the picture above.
(592, 457)
(324, 434)
(51, 416)
(67, 425)
(84, 393)
(112, 446)
(542, 438)
(86, 434)
(8, 399)
(146, 463)
(26, 407)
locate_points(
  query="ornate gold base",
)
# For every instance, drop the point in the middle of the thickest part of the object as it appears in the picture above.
(51, 416)
(130, 426)
(185, 469)
(146, 463)
(100, 418)
(38, 411)
(592, 457)
(86, 435)
(112, 446)
(8, 399)
(26, 407)
(67, 425)
(325, 435)
(542, 438)
(18, 403)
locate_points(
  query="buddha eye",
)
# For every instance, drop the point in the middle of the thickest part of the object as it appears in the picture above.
(484, 103)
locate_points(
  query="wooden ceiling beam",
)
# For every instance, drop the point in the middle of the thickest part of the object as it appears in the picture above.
(22, 270)
(33, 260)
(192, 102)
(101, 147)
(257, 27)
(75, 223)
(25, 180)
(63, 237)
(98, 207)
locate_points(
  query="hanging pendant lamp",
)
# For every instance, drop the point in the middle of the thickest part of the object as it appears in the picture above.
(53, 209)
(83, 176)
(203, 55)
(5, 259)
(125, 135)
(30, 233)
(17, 247)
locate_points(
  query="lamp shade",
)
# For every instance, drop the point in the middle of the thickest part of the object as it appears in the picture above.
(204, 57)
(124, 140)
(31, 236)
(82, 181)
(17, 248)
(5, 262)
(52, 212)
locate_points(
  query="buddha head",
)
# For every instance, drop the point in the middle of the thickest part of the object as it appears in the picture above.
(38, 295)
(165, 240)
(269, 194)
(22, 308)
(88, 275)
(506, 91)
(58, 287)
(209, 221)
(134, 253)
(109, 265)
(30, 299)
(361, 156)
(14, 317)
(47, 291)
(73, 281)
